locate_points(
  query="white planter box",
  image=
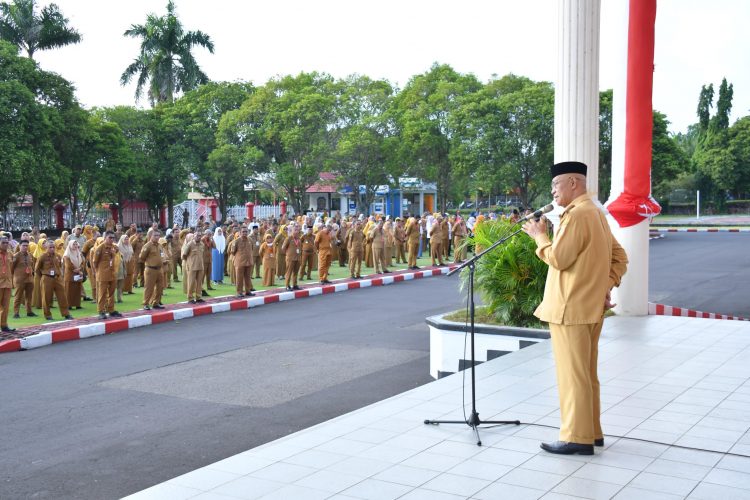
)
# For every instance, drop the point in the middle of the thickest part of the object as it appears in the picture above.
(447, 343)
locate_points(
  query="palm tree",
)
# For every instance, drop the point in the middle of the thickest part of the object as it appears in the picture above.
(165, 59)
(21, 25)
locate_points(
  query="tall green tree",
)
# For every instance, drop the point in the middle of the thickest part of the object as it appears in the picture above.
(362, 154)
(42, 125)
(193, 120)
(285, 128)
(720, 120)
(30, 30)
(705, 103)
(504, 136)
(668, 160)
(165, 62)
(423, 110)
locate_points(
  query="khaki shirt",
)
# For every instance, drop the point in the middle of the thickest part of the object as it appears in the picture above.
(23, 269)
(585, 262)
(323, 242)
(49, 265)
(151, 255)
(104, 262)
(355, 241)
(256, 240)
(292, 248)
(308, 243)
(412, 233)
(6, 269)
(192, 255)
(377, 236)
(242, 249)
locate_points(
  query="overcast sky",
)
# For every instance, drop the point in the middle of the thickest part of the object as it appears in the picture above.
(697, 42)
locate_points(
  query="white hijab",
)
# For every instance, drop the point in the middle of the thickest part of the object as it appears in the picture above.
(75, 256)
(220, 240)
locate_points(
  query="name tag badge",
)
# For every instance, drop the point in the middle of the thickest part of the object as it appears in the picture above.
(28, 270)
(111, 263)
(257, 243)
(52, 272)
(298, 251)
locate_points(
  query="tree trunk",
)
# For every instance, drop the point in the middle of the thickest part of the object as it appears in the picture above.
(35, 210)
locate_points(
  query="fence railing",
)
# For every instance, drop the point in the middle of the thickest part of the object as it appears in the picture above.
(195, 210)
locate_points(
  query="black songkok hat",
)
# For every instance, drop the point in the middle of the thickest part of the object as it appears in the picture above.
(568, 167)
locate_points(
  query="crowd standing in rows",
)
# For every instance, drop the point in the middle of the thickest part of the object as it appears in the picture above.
(115, 261)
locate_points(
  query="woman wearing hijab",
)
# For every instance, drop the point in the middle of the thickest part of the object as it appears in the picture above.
(128, 267)
(217, 254)
(73, 262)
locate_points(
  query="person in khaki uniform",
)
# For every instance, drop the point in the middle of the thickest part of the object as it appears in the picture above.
(23, 279)
(136, 241)
(49, 268)
(459, 236)
(130, 262)
(412, 238)
(436, 241)
(292, 249)
(208, 246)
(269, 261)
(446, 234)
(255, 239)
(377, 236)
(342, 239)
(6, 282)
(585, 263)
(323, 247)
(400, 236)
(151, 257)
(175, 243)
(278, 242)
(308, 254)
(73, 264)
(390, 242)
(106, 279)
(355, 246)
(87, 251)
(166, 252)
(242, 251)
(192, 261)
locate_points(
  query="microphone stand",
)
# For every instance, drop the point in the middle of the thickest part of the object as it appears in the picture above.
(474, 421)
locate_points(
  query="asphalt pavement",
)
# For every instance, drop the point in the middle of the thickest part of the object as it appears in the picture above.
(105, 417)
(708, 272)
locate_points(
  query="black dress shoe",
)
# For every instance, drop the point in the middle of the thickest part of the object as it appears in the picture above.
(68, 317)
(599, 442)
(191, 301)
(200, 301)
(7, 329)
(158, 306)
(249, 294)
(48, 318)
(115, 314)
(289, 289)
(295, 287)
(16, 316)
(31, 315)
(565, 448)
(204, 293)
(146, 308)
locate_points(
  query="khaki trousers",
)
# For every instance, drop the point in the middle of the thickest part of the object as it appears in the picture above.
(576, 350)
(23, 296)
(436, 251)
(243, 275)
(194, 284)
(4, 305)
(152, 286)
(413, 249)
(269, 273)
(51, 286)
(105, 296)
(307, 261)
(378, 257)
(459, 253)
(73, 293)
(400, 255)
(324, 263)
(355, 262)
(290, 277)
(256, 266)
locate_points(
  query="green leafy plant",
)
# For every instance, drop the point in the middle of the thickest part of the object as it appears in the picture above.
(510, 279)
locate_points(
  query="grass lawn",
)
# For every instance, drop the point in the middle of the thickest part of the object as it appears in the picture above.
(175, 295)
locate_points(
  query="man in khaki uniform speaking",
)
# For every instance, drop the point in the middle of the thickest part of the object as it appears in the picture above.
(585, 262)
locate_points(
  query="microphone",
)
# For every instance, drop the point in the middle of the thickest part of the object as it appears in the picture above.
(536, 215)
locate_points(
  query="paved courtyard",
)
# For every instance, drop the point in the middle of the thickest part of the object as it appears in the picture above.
(676, 411)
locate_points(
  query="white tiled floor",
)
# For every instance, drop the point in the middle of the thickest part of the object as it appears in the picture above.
(681, 381)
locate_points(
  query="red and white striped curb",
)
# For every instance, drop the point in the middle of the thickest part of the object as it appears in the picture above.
(664, 310)
(42, 339)
(699, 229)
